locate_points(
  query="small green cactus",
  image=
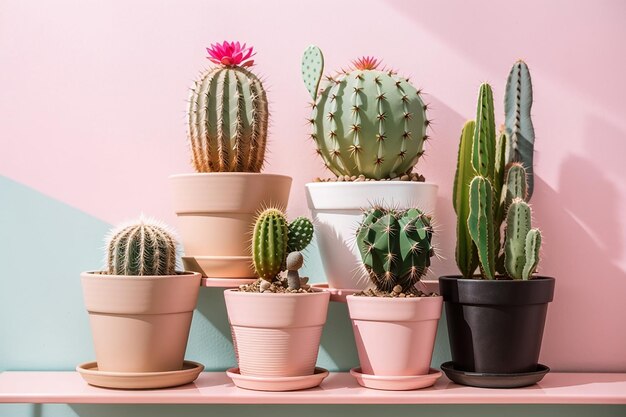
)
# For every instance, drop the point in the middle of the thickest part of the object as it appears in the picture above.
(145, 247)
(492, 187)
(273, 239)
(366, 121)
(395, 246)
(300, 234)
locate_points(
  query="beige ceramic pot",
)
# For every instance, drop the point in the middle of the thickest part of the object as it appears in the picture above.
(140, 323)
(395, 336)
(276, 335)
(216, 213)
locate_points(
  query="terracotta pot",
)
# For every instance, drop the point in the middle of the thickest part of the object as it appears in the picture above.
(337, 208)
(140, 324)
(395, 336)
(276, 335)
(216, 213)
(496, 326)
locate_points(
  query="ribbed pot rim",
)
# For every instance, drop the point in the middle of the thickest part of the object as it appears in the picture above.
(100, 274)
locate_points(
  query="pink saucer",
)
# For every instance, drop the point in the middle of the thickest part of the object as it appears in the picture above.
(336, 294)
(288, 383)
(396, 383)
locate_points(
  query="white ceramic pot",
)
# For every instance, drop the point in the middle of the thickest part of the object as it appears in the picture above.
(337, 208)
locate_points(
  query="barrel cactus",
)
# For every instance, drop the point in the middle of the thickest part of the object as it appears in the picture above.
(366, 120)
(228, 113)
(395, 246)
(145, 247)
(491, 188)
(273, 238)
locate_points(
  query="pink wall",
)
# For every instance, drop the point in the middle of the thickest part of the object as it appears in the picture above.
(92, 112)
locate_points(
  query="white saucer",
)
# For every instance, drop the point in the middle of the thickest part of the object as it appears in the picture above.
(396, 383)
(139, 380)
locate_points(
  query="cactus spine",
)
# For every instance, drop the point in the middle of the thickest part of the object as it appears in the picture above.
(142, 248)
(395, 246)
(365, 120)
(518, 100)
(489, 190)
(228, 119)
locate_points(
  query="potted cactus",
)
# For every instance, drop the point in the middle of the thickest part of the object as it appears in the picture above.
(277, 321)
(496, 318)
(369, 127)
(140, 307)
(394, 323)
(227, 132)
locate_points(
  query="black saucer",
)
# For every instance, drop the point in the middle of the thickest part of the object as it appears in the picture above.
(488, 380)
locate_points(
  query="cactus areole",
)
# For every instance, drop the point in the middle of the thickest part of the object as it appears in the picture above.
(228, 113)
(366, 120)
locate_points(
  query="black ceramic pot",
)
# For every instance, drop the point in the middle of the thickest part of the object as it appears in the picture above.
(496, 326)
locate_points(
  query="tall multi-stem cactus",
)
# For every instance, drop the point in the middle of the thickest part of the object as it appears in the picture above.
(273, 238)
(366, 121)
(228, 113)
(142, 248)
(395, 246)
(490, 190)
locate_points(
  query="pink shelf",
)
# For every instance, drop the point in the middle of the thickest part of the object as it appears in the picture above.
(338, 388)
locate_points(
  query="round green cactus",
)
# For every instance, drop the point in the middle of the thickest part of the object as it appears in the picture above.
(368, 121)
(269, 243)
(395, 246)
(143, 248)
(300, 234)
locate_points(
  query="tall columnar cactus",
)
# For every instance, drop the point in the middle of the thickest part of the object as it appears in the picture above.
(142, 248)
(269, 243)
(395, 246)
(228, 113)
(273, 238)
(518, 100)
(490, 190)
(365, 120)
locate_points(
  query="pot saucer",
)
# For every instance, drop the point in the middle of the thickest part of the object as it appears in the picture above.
(288, 383)
(396, 383)
(336, 294)
(139, 380)
(493, 380)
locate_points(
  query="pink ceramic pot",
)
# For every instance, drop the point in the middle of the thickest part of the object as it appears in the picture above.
(394, 336)
(140, 323)
(216, 213)
(276, 335)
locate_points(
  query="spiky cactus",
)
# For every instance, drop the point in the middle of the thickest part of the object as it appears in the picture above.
(273, 239)
(366, 121)
(300, 234)
(490, 190)
(395, 246)
(142, 248)
(228, 113)
(518, 100)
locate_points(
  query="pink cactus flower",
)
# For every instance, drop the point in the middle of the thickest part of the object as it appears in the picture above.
(231, 54)
(366, 63)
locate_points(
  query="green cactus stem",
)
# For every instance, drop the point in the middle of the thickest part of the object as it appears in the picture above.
(481, 225)
(228, 121)
(395, 246)
(465, 254)
(533, 244)
(517, 227)
(312, 69)
(142, 248)
(269, 243)
(300, 234)
(484, 144)
(518, 100)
